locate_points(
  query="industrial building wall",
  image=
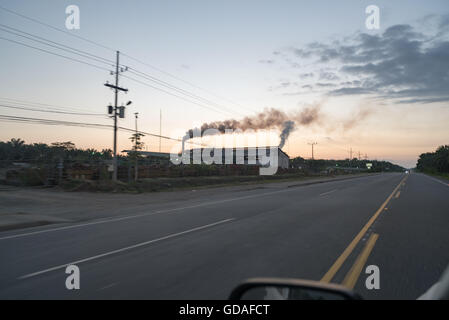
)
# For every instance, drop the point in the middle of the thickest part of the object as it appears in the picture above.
(249, 156)
(283, 160)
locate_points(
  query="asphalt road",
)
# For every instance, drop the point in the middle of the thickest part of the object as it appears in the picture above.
(202, 248)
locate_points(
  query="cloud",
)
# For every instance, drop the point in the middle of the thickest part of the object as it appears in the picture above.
(267, 61)
(306, 75)
(324, 85)
(329, 76)
(403, 64)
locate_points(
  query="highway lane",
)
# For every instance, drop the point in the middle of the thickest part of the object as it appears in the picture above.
(201, 249)
(413, 246)
(91, 239)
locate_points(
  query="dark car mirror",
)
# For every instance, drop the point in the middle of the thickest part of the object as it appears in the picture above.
(290, 289)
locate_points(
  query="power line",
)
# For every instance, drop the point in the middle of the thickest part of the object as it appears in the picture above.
(51, 111)
(55, 44)
(172, 94)
(45, 105)
(150, 134)
(99, 59)
(50, 121)
(55, 28)
(110, 49)
(181, 91)
(77, 124)
(186, 82)
(55, 54)
(175, 88)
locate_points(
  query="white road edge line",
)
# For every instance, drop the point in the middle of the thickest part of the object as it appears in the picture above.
(123, 249)
(437, 180)
(329, 192)
(144, 214)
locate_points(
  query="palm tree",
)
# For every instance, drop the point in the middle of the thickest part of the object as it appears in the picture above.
(17, 143)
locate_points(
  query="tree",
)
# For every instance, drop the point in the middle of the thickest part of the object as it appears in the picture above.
(107, 154)
(442, 159)
(17, 143)
(17, 149)
(69, 145)
(434, 162)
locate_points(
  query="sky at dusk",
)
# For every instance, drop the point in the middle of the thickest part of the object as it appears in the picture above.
(384, 93)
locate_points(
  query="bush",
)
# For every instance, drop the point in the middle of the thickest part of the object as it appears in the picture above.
(26, 176)
(434, 162)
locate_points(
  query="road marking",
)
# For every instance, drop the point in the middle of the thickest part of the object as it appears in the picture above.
(342, 258)
(354, 273)
(437, 180)
(108, 220)
(397, 194)
(108, 286)
(329, 192)
(123, 249)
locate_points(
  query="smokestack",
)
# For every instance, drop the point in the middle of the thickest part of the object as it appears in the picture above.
(288, 127)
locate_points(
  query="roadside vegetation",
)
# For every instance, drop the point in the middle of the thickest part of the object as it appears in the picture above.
(74, 169)
(435, 163)
(346, 164)
(18, 150)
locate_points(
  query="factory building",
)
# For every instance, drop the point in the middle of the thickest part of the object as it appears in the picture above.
(247, 156)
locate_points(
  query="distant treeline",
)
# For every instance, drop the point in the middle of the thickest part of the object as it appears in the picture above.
(18, 150)
(434, 162)
(321, 164)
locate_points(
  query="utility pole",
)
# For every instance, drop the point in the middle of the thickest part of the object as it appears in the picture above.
(116, 111)
(137, 116)
(359, 156)
(312, 144)
(160, 129)
(136, 170)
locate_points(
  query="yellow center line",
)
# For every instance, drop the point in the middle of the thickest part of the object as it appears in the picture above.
(342, 258)
(353, 274)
